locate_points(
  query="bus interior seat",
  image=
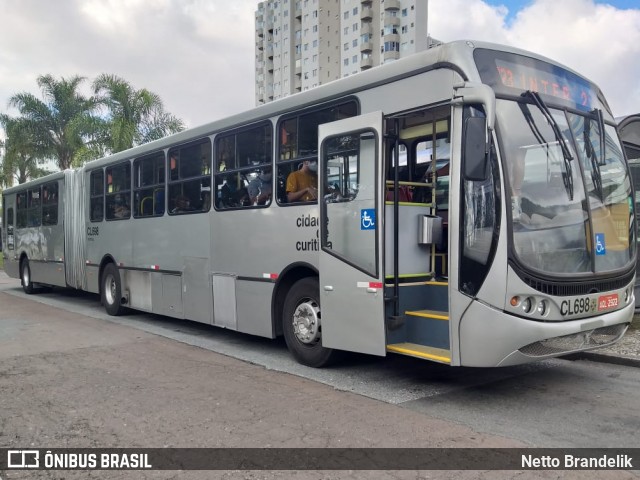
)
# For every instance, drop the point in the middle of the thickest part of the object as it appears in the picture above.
(146, 206)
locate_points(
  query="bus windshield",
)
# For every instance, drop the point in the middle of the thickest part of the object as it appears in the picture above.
(557, 217)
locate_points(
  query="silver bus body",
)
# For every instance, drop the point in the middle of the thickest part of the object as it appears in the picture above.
(629, 130)
(448, 275)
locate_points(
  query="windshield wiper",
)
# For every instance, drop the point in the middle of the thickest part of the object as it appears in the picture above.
(566, 153)
(596, 176)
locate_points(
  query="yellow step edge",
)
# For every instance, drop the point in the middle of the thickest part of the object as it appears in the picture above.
(421, 351)
(413, 284)
(435, 283)
(428, 314)
(409, 275)
(408, 204)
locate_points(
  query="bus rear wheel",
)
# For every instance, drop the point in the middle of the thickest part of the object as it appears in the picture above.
(111, 290)
(302, 324)
(25, 276)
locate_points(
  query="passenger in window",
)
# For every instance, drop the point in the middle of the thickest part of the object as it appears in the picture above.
(121, 209)
(302, 185)
(260, 188)
(182, 204)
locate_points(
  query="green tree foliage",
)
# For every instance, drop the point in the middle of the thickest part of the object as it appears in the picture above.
(70, 128)
(134, 116)
(63, 122)
(23, 156)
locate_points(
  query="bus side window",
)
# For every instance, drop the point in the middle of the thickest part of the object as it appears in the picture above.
(34, 213)
(298, 150)
(190, 178)
(118, 195)
(148, 185)
(50, 204)
(21, 210)
(243, 167)
(96, 196)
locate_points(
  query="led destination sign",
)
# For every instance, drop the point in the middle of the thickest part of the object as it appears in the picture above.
(548, 83)
(512, 74)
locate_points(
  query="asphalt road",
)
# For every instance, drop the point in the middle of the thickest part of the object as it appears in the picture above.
(72, 376)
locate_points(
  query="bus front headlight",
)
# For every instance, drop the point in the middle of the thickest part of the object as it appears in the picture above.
(542, 308)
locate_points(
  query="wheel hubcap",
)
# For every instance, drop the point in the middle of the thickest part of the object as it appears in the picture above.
(110, 289)
(306, 321)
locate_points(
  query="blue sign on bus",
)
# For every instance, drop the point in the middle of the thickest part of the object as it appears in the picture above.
(368, 219)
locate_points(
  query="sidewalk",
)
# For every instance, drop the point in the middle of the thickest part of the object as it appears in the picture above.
(625, 352)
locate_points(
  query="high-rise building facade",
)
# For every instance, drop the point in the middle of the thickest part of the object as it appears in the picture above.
(301, 44)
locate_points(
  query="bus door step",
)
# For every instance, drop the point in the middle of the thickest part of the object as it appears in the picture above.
(432, 314)
(440, 355)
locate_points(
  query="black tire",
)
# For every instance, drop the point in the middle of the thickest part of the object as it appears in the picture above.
(302, 327)
(25, 277)
(111, 290)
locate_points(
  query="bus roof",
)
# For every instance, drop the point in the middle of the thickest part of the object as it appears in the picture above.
(457, 55)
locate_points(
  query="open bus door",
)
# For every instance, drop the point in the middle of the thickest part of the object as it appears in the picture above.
(351, 234)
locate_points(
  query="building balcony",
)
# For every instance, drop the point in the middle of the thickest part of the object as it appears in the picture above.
(366, 3)
(260, 44)
(269, 64)
(298, 13)
(366, 63)
(391, 55)
(391, 5)
(366, 14)
(391, 37)
(366, 46)
(366, 28)
(392, 20)
(298, 70)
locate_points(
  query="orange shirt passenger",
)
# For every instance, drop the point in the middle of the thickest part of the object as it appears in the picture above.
(302, 185)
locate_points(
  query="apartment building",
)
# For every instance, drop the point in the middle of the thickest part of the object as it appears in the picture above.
(301, 44)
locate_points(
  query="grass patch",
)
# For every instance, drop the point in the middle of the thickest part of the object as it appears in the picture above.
(1, 262)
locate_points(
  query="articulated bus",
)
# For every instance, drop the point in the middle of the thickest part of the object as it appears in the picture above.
(629, 130)
(473, 208)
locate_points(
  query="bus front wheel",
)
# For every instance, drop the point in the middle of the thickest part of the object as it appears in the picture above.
(25, 275)
(112, 290)
(302, 324)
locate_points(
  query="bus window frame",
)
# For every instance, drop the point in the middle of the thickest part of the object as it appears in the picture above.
(240, 170)
(100, 195)
(107, 194)
(297, 114)
(182, 180)
(159, 186)
(50, 204)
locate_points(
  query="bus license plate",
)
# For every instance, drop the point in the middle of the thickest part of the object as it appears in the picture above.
(606, 302)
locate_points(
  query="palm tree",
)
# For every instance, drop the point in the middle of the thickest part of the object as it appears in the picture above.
(23, 157)
(135, 116)
(62, 122)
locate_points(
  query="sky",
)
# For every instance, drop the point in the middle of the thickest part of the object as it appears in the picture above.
(198, 55)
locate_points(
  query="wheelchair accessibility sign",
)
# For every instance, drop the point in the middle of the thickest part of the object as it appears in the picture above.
(601, 248)
(368, 219)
